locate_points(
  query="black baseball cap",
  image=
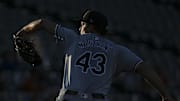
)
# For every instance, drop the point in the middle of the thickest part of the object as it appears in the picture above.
(94, 17)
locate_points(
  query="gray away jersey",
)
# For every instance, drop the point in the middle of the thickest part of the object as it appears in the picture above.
(91, 61)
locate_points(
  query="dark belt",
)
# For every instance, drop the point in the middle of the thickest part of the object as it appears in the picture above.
(94, 95)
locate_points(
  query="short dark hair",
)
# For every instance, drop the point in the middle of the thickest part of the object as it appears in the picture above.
(97, 19)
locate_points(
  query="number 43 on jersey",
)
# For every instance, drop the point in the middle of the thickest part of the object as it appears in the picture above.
(87, 59)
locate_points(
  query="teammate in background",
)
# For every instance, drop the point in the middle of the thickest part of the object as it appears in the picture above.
(91, 61)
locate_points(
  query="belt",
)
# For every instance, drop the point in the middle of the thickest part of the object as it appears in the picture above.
(84, 95)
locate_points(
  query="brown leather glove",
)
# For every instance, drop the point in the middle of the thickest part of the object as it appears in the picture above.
(26, 50)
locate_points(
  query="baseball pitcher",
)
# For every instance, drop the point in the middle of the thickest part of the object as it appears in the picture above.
(91, 61)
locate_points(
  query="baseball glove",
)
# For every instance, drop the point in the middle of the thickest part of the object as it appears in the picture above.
(26, 50)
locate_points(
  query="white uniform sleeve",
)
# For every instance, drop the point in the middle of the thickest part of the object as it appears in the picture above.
(127, 61)
(64, 34)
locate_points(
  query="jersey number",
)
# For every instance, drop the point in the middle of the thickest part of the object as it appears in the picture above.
(84, 62)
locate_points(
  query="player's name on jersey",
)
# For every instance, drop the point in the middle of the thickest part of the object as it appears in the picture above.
(94, 44)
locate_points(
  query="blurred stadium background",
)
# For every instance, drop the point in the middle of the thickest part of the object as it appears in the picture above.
(150, 28)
